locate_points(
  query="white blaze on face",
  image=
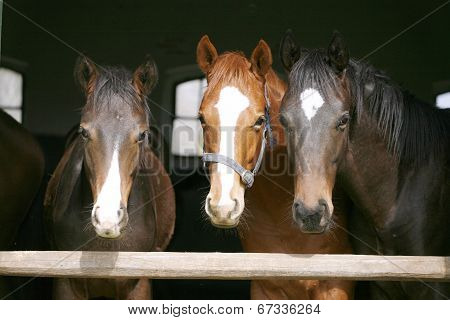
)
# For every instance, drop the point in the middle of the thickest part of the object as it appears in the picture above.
(311, 102)
(108, 200)
(230, 105)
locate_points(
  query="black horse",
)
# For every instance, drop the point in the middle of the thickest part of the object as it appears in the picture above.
(21, 171)
(350, 124)
(110, 192)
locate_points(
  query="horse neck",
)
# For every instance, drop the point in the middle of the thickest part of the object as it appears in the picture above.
(370, 168)
(367, 149)
(276, 89)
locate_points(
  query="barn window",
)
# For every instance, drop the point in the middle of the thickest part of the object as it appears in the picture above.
(11, 92)
(187, 133)
(443, 100)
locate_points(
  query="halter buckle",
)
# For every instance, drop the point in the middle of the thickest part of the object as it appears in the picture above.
(248, 178)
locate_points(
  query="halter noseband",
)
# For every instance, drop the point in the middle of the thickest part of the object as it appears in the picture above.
(247, 176)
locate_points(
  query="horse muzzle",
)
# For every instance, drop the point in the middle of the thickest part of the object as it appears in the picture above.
(312, 220)
(223, 216)
(109, 225)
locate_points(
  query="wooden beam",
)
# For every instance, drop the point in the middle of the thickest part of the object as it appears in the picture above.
(172, 265)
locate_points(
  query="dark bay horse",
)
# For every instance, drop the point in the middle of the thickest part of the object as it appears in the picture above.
(21, 172)
(349, 123)
(110, 192)
(239, 109)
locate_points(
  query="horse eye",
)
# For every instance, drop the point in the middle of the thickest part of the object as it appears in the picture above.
(142, 136)
(83, 132)
(283, 121)
(343, 121)
(259, 122)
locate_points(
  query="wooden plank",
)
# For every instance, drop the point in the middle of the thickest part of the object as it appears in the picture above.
(171, 265)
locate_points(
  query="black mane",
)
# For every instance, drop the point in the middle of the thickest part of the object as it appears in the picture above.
(414, 131)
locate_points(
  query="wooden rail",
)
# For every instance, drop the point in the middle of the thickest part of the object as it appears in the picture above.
(171, 265)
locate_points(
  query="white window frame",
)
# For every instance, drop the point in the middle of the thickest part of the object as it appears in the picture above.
(20, 68)
(440, 89)
(187, 133)
(172, 78)
(443, 100)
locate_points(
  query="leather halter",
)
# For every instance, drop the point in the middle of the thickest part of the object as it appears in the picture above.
(247, 176)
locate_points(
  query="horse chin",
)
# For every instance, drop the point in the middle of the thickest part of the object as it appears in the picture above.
(313, 229)
(109, 234)
(229, 224)
(319, 230)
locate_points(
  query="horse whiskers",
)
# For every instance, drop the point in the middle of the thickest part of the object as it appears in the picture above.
(204, 215)
(131, 204)
(222, 233)
(288, 216)
(88, 227)
(332, 232)
(243, 221)
(204, 218)
(89, 204)
(203, 188)
(86, 211)
(88, 219)
(332, 227)
(128, 227)
(228, 233)
(123, 242)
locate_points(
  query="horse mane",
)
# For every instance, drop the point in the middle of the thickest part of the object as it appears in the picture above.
(413, 130)
(112, 83)
(231, 67)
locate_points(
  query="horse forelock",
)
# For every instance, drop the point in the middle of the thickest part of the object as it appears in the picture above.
(231, 69)
(113, 90)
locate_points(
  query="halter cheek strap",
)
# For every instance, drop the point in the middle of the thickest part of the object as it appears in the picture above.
(247, 176)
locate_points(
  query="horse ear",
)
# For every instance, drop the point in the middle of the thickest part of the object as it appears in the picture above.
(261, 58)
(146, 76)
(85, 73)
(289, 51)
(338, 54)
(206, 54)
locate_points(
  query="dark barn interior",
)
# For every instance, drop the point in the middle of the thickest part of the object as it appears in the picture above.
(41, 40)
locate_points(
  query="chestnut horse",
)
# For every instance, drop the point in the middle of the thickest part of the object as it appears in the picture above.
(21, 171)
(110, 192)
(239, 109)
(389, 151)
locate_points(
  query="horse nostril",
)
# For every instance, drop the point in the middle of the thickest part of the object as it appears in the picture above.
(94, 216)
(235, 212)
(236, 204)
(323, 206)
(208, 205)
(120, 214)
(298, 210)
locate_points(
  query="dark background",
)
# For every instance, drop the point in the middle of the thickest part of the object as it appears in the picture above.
(122, 31)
